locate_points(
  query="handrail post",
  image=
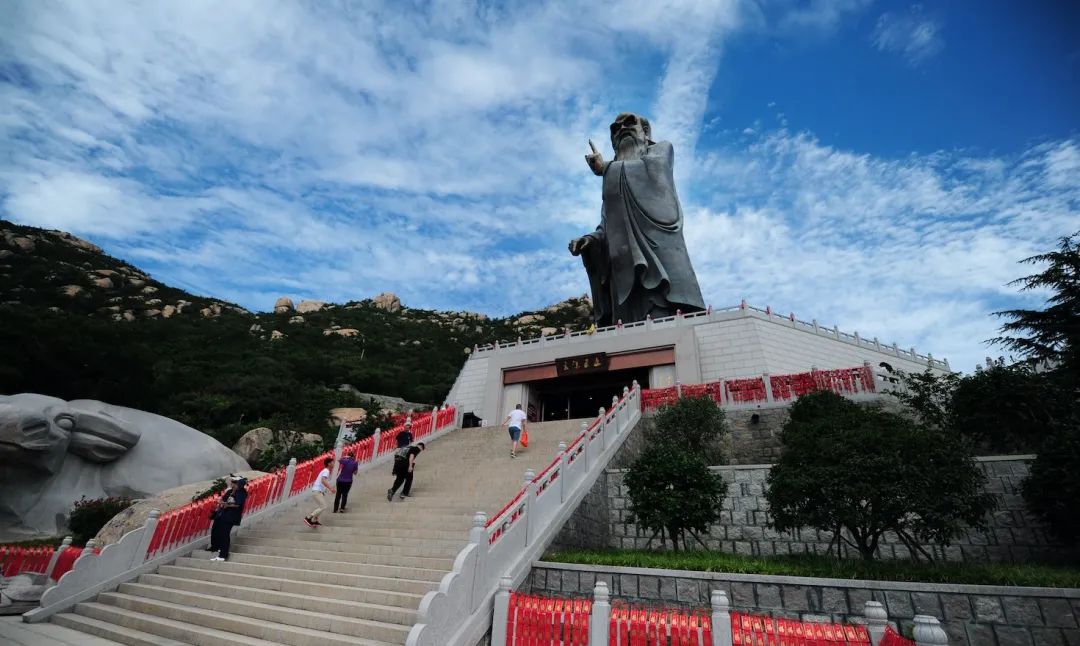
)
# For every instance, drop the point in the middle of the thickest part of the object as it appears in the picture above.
(928, 632)
(768, 387)
(600, 619)
(290, 475)
(500, 618)
(434, 420)
(602, 416)
(876, 620)
(721, 618)
(149, 527)
(561, 455)
(478, 536)
(66, 543)
(585, 444)
(530, 494)
(459, 415)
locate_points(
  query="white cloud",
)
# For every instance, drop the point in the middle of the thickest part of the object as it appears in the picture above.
(914, 35)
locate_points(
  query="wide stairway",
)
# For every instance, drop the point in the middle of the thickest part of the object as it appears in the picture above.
(358, 579)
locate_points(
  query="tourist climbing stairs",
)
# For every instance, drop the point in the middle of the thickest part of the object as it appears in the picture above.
(358, 579)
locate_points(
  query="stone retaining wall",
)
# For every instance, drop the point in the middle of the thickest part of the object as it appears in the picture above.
(602, 521)
(972, 615)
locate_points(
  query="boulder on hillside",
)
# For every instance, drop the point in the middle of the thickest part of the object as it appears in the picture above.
(283, 305)
(26, 245)
(150, 289)
(548, 331)
(252, 444)
(387, 301)
(136, 282)
(168, 311)
(306, 307)
(276, 336)
(71, 290)
(296, 320)
(529, 319)
(104, 283)
(77, 242)
(346, 331)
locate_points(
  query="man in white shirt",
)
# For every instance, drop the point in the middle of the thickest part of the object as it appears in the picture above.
(515, 423)
(318, 494)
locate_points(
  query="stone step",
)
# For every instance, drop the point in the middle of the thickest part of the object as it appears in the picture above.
(263, 621)
(114, 632)
(201, 594)
(340, 551)
(184, 631)
(362, 575)
(375, 594)
(337, 531)
(347, 536)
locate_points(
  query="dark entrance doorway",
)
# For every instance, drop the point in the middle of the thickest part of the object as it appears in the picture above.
(582, 395)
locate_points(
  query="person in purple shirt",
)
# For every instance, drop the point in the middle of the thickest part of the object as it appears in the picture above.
(349, 466)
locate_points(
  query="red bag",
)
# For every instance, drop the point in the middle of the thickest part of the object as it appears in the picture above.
(524, 439)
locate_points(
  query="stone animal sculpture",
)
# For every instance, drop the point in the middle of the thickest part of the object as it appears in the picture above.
(636, 259)
(54, 452)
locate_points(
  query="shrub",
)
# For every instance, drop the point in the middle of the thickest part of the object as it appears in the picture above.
(89, 516)
(673, 492)
(216, 487)
(860, 473)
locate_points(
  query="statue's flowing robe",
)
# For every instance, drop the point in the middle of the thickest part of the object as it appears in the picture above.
(638, 264)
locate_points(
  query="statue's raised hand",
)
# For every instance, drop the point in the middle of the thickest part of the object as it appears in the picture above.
(595, 161)
(577, 245)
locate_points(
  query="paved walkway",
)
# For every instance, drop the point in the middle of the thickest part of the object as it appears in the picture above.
(13, 632)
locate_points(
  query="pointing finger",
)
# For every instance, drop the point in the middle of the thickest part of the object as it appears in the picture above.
(591, 145)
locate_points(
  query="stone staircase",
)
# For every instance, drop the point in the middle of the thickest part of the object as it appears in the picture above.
(358, 579)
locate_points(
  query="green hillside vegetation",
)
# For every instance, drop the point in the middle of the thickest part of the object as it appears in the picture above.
(69, 333)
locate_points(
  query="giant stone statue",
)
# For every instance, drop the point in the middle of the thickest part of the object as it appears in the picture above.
(636, 259)
(53, 452)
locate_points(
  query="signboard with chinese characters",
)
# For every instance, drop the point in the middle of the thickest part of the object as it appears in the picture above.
(596, 362)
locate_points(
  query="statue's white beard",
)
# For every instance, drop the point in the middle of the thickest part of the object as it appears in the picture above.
(629, 148)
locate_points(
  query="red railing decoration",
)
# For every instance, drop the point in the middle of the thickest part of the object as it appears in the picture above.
(638, 626)
(751, 630)
(35, 560)
(751, 390)
(17, 560)
(543, 621)
(66, 560)
(892, 638)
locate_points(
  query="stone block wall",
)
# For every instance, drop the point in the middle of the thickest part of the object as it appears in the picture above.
(972, 615)
(1015, 534)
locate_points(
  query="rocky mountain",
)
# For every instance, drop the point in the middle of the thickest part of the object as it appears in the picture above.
(81, 324)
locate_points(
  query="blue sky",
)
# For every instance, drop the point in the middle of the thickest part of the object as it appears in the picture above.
(877, 165)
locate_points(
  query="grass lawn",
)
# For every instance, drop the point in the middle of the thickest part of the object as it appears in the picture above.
(1052, 576)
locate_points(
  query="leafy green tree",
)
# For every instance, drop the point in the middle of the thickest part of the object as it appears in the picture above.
(695, 424)
(673, 493)
(861, 472)
(1006, 408)
(929, 394)
(1052, 334)
(671, 489)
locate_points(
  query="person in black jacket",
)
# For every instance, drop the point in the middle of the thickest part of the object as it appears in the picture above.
(229, 511)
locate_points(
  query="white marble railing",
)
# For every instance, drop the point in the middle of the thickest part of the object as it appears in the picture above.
(459, 612)
(710, 316)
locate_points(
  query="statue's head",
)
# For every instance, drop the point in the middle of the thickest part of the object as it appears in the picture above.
(630, 130)
(38, 432)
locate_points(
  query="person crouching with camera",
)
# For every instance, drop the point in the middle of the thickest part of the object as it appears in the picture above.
(230, 508)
